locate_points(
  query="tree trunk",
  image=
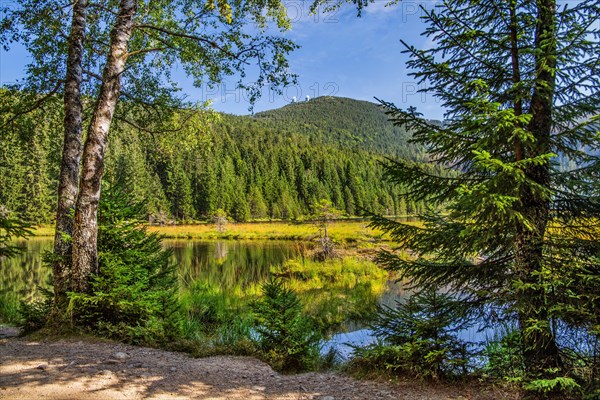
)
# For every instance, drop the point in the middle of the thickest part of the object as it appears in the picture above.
(540, 349)
(69, 169)
(516, 71)
(85, 235)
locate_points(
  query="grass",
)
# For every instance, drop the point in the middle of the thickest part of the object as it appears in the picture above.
(333, 292)
(43, 230)
(218, 320)
(346, 231)
(9, 308)
(306, 274)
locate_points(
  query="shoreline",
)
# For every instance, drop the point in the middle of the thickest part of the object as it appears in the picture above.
(95, 369)
(344, 232)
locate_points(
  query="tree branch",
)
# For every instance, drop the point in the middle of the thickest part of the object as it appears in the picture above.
(211, 43)
(144, 51)
(35, 105)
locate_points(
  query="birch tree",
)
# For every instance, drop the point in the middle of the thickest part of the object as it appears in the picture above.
(129, 49)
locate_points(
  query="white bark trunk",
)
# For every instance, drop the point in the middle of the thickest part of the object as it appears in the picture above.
(85, 251)
(69, 171)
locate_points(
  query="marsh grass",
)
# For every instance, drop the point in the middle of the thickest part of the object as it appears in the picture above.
(9, 308)
(343, 231)
(43, 230)
(333, 293)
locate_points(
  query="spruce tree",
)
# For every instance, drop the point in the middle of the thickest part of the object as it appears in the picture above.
(519, 82)
(11, 228)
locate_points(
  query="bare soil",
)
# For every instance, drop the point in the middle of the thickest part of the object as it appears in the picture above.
(87, 369)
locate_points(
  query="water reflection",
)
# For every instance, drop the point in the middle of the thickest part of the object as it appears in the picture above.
(234, 269)
(24, 276)
(228, 264)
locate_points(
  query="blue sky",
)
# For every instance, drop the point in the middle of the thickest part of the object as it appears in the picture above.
(343, 55)
(340, 55)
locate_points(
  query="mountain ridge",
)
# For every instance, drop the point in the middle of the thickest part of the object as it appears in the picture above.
(347, 122)
(275, 165)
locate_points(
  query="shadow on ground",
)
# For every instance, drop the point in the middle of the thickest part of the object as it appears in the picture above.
(75, 369)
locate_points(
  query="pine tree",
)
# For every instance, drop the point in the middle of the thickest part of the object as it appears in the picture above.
(11, 228)
(519, 81)
(179, 191)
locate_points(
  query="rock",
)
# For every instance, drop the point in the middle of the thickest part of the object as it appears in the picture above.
(328, 398)
(8, 332)
(112, 361)
(106, 372)
(43, 367)
(173, 369)
(121, 356)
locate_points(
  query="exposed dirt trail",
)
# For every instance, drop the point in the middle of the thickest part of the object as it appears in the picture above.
(75, 369)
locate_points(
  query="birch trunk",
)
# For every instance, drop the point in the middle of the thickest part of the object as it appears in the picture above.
(69, 170)
(85, 234)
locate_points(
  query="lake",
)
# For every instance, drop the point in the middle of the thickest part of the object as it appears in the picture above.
(227, 263)
(236, 268)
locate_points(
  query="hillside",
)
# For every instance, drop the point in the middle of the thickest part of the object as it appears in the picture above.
(274, 165)
(350, 123)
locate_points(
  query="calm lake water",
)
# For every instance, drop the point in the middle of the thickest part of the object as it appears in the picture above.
(228, 265)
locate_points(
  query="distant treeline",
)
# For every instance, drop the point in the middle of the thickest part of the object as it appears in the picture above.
(192, 164)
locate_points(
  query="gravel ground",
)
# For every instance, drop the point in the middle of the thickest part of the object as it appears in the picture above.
(84, 369)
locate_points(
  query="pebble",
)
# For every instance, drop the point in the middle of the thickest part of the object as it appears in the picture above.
(328, 398)
(106, 372)
(43, 367)
(173, 369)
(120, 356)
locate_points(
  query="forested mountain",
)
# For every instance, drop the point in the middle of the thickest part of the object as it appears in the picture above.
(353, 124)
(274, 165)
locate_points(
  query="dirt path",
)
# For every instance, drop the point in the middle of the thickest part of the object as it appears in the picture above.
(73, 369)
